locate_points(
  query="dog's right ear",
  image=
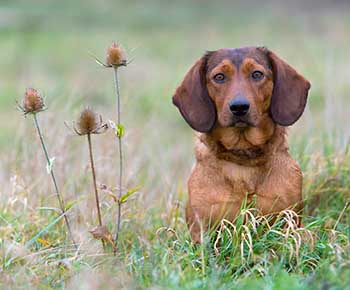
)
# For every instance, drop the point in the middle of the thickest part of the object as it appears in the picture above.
(192, 98)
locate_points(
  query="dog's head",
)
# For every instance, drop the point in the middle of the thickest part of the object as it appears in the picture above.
(237, 87)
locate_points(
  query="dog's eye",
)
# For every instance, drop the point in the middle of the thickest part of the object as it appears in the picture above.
(257, 75)
(219, 78)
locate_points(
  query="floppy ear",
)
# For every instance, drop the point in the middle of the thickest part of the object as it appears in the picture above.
(192, 98)
(289, 94)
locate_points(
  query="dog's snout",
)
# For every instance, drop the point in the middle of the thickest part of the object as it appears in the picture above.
(239, 106)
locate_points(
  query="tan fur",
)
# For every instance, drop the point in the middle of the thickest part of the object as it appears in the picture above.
(246, 162)
(221, 181)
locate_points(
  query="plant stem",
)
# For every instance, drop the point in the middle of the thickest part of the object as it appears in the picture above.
(202, 252)
(347, 204)
(95, 185)
(53, 177)
(120, 190)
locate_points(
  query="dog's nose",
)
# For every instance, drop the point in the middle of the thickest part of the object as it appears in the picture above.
(239, 106)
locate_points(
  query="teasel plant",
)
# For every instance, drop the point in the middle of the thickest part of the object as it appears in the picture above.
(115, 59)
(33, 104)
(90, 123)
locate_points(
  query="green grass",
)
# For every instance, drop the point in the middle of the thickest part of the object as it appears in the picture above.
(47, 45)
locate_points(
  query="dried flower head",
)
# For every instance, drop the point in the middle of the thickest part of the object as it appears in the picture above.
(32, 103)
(115, 56)
(89, 123)
(102, 233)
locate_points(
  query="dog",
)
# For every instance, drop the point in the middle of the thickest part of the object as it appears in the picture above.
(240, 102)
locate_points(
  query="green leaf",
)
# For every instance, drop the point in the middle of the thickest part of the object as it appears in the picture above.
(50, 164)
(45, 229)
(119, 130)
(125, 197)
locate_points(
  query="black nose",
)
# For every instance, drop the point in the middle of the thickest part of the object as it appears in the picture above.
(239, 106)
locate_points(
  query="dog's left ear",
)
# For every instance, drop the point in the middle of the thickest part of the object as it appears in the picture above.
(289, 94)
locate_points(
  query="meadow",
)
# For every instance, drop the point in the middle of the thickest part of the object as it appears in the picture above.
(49, 45)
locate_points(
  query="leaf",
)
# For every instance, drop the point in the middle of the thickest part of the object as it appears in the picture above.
(113, 196)
(119, 130)
(112, 124)
(125, 197)
(49, 165)
(100, 233)
(72, 203)
(49, 208)
(43, 242)
(46, 229)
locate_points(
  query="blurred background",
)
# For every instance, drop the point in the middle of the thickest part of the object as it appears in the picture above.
(47, 45)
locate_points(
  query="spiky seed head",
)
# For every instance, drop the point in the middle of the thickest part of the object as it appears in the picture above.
(32, 102)
(115, 56)
(90, 122)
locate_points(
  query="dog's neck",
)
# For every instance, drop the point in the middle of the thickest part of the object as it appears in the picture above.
(250, 146)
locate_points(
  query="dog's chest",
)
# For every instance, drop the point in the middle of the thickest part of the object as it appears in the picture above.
(243, 179)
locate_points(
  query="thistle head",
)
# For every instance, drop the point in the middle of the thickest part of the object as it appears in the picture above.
(32, 103)
(116, 56)
(89, 122)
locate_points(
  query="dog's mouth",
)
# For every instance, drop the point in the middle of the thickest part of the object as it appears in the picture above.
(242, 123)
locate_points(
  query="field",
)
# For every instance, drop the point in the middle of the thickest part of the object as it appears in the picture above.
(49, 45)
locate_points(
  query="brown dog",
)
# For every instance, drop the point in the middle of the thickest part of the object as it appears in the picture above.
(241, 100)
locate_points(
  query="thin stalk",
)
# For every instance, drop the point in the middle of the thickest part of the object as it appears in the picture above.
(120, 190)
(347, 204)
(95, 186)
(202, 251)
(53, 177)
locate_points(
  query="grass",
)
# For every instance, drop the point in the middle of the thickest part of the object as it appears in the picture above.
(46, 44)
